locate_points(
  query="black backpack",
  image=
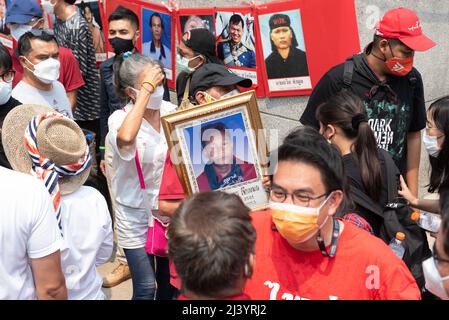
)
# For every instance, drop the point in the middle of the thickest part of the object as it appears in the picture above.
(396, 217)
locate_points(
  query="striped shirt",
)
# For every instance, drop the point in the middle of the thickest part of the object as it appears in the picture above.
(74, 34)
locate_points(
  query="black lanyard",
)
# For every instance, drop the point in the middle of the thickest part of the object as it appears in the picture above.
(334, 242)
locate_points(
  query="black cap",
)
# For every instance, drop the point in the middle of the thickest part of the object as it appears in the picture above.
(279, 20)
(213, 74)
(201, 40)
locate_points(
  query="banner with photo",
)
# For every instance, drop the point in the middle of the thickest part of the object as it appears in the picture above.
(236, 44)
(283, 47)
(92, 12)
(298, 41)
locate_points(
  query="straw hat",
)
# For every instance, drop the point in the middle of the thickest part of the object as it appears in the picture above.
(59, 139)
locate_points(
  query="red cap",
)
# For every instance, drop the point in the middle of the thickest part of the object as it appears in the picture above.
(403, 24)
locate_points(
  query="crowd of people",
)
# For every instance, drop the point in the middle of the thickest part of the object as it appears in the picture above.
(87, 176)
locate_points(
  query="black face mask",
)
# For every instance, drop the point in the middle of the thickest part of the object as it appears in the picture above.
(121, 45)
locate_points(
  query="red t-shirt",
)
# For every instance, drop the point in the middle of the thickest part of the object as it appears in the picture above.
(248, 171)
(171, 187)
(364, 268)
(237, 297)
(69, 73)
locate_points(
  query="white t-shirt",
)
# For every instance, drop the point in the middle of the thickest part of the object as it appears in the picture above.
(131, 215)
(87, 242)
(55, 98)
(28, 230)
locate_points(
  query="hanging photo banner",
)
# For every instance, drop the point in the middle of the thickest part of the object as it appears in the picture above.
(236, 44)
(157, 36)
(300, 40)
(91, 12)
(5, 33)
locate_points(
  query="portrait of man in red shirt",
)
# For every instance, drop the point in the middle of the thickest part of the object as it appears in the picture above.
(223, 168)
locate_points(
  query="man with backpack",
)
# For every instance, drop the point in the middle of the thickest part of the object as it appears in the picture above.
(392, 90)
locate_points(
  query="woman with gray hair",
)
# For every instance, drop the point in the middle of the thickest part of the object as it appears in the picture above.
(139, 148)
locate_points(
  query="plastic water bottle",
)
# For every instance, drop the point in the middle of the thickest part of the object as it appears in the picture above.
(428, 221)
(397, 245)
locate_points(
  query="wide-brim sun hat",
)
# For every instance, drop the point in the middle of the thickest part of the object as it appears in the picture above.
(59, 139)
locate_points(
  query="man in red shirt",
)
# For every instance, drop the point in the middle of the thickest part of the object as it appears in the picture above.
(211, 242)
(24, 15)
(303, 252)
(224, 168)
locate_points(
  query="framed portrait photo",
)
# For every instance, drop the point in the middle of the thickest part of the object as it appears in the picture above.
(284, 50)
(220, 146)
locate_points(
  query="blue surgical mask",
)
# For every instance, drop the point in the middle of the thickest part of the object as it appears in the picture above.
(182, 64)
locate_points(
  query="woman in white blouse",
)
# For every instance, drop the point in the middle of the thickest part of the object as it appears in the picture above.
(136, 130)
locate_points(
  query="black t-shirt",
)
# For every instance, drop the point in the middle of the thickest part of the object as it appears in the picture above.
(390, 117)
(294, 66)
(352, 170)
(4, 109)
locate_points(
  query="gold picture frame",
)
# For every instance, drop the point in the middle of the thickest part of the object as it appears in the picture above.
(185, 132)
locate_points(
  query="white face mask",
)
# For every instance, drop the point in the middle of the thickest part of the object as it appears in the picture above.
(156, 97)
(48, 6)
(5, 92)
(431, 145)
(434, 281)
(46, 71)
(182, 64)
(18, 30)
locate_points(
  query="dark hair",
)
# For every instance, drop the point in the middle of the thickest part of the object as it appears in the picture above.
(293, 44)
(122, 13)
(220, 126)
(439, 176)
(444, 210)
(307, 145)
(70, 1)
(24, 45)
(236, 19)
(85, 5)
(156, 14)
(377, 39)
(210, 240)
(5, 59)
(347, 112)
(153, 47)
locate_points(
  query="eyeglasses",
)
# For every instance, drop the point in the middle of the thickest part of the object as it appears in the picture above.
(298, 198)
(436, 257)
(8, 76)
